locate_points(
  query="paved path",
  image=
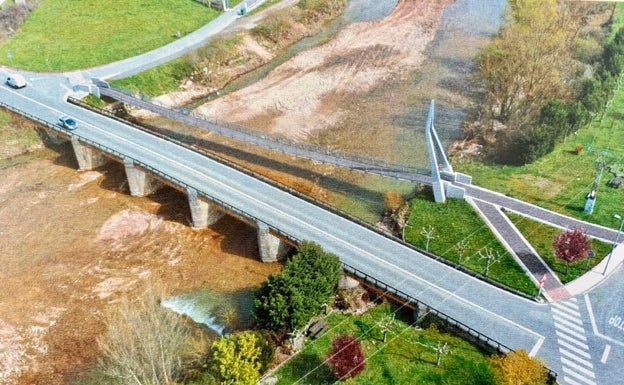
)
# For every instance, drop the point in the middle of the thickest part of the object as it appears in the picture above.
(525, 254)
(540, 214)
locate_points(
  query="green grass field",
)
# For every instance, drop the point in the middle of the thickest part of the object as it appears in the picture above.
(541, 236)
(64, 35)
(407, 357)
(455, 221)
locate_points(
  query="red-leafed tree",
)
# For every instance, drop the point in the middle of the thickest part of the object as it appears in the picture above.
(346, 356)
(572, 245)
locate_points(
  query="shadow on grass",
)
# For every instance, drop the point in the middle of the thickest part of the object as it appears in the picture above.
(307, 368)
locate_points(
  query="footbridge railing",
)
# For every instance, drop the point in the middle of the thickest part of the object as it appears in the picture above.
(265, 140)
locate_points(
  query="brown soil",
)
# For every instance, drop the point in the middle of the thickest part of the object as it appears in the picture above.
(306, 94)
(73, 242)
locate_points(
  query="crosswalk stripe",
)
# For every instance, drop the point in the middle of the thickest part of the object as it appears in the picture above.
(569, 324)
(578, 376)
(571, 332)
(573, 318)
(577, 367)
(560, 306)
(573, 299)
(574, 349)
(576, 358)
(570, 381)
(571, 339)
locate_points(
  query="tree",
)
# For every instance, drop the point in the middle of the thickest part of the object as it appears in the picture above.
(237, 359)
(144, 343)
(287, 301)
(428, 234)
(393, 200)
(346, 357)
(571, 246)
(524, 65)
(518, 368)
(385, 325)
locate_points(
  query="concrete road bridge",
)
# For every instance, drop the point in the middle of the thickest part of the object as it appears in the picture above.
(574, 338)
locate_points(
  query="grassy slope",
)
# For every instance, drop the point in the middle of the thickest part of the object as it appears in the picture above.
(561, 180)
(73, 34)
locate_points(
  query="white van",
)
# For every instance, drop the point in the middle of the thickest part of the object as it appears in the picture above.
(16, 81)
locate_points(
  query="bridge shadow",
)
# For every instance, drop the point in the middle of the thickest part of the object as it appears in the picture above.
(213, 148)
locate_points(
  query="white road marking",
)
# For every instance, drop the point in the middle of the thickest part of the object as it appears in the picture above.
(595, 328)
(536, 347)
(578, 376)
(567, 306)
(576, 358)
(569, 324)
(574, 349)
(571, 332)
(578, 367)
(605, 354)
(571, 381)
(567, 313)
(573, 340)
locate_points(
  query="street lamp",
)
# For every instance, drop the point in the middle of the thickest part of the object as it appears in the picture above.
(617, 238)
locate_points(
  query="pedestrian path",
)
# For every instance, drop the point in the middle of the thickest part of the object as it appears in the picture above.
(525, 254)
(576, 358)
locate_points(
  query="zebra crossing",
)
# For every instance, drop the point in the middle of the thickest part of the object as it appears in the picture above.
(576, 362)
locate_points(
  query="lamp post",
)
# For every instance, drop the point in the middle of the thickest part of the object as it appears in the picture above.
(615, 243)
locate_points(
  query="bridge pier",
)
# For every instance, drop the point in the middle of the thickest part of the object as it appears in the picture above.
(141, 183)
(87, 157)
(271, 247)
(203, 214)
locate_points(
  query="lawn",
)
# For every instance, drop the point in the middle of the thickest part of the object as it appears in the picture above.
(64, 35)
(540, 236)
(455, 221)
(407, 357)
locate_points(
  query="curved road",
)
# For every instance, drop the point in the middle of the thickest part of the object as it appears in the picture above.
(580, 338)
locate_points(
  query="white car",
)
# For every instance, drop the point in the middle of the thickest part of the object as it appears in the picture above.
(16, 81)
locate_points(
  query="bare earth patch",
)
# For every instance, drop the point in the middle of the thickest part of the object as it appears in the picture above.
(303, 95)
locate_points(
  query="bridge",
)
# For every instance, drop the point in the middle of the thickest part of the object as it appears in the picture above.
(282, 218)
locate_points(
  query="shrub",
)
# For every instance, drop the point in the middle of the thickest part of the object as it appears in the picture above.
(518, 368)
(286, 302)
(237, 358)
(346, 357)
(571, 246)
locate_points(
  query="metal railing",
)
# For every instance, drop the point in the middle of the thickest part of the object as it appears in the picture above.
(265, 140)
(465, 331)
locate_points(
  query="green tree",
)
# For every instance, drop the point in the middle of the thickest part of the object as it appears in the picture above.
(286, 302)
(239, 359)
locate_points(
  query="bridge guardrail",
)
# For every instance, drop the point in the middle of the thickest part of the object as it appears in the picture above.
(304, 197)
(466, 331)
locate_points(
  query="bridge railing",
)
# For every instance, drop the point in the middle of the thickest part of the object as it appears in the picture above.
(267, 140)
(465, 331)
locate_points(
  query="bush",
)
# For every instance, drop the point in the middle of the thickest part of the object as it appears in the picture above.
(346, 357)
(518, 368)
(287, 301)
(239, 359)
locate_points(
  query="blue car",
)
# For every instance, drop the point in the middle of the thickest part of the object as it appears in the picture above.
(68, 123)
